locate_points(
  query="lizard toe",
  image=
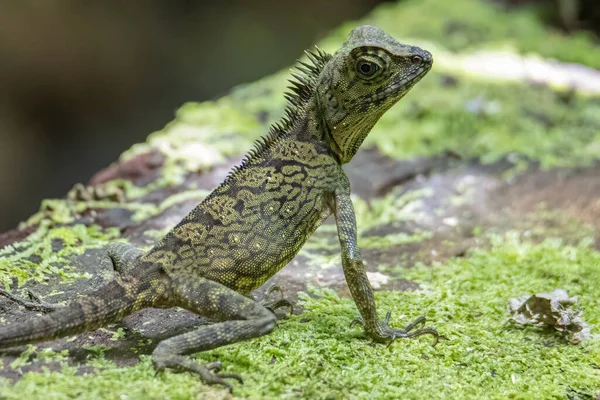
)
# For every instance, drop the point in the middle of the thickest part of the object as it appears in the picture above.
(231, 376)
(408, 331)
(37, 304)
(214, 366)
(274, 305)
(209, 373)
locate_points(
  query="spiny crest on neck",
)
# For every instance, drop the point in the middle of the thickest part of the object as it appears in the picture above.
(300, 91)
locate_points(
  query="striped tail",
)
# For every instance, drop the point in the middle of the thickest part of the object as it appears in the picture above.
(108, 304)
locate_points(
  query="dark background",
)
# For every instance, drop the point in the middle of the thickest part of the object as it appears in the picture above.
(81, 81)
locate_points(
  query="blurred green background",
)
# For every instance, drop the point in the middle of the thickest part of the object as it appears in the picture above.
(81, 81)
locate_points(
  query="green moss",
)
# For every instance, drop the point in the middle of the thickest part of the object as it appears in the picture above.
(533, 121)
(48, 251)
(201, 135)
(143, 211)
(316, 355)
(545, 222)
(463, 25)
(393, 207)
(61, 211)
(108, 382)
(466, 300)
(55, 210)
(44, 355)
(392, 239)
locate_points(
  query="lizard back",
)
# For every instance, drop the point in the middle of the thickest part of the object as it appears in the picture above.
(257, 220)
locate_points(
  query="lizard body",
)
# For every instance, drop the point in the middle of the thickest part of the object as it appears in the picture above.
(257, 220)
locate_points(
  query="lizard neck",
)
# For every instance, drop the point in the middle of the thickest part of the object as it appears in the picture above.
(318, 129)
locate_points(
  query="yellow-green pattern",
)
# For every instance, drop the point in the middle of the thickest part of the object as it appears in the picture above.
(257, 220)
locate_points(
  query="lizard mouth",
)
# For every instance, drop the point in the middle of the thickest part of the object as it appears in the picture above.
(396, 88)
(405, 83)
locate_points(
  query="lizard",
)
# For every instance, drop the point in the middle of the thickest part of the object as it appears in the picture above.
(258, 218)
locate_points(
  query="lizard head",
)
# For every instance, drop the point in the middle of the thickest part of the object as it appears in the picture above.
(363, 79)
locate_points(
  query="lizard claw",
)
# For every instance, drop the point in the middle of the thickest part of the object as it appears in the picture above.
(272, 289)
(231, 375)
(275, 304)
(406, 333)
(214, 366)
(219, 379)
(357, 321)
(209, 373)
(37, 304)
(389, 334)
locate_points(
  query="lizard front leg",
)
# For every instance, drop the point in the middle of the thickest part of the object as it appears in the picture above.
(356, 277)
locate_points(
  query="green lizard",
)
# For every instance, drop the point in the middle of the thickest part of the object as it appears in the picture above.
(259, 217)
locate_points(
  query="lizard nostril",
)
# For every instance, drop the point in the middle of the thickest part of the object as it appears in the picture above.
(428, 57)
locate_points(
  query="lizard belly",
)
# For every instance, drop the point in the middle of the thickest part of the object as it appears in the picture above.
(265, 243)
(241, 241)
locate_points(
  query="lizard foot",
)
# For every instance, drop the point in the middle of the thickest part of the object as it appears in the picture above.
(273, 305)
(389, 334)
(37, 304)
(209, 373)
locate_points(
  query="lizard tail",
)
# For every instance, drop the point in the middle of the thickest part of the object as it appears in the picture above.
(109, 303)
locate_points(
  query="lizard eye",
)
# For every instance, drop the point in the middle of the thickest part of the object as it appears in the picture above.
(416, 59)
(366, 68)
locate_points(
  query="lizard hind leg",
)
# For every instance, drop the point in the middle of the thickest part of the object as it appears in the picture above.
(122, 255)
(240, 318)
